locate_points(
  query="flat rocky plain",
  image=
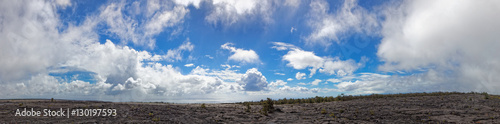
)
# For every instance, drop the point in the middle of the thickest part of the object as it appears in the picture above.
(454, 108)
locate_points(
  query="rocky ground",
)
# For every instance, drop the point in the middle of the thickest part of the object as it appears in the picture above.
(455, 108)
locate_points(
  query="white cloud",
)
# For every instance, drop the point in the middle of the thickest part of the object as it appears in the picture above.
(253, 80)
(316, 82)
(279, 73)
(300, 59)
(140, 32)
(195, 3)
(166, 18)
(189, 65)
(241, 55)
(293, 29)
(176, 54)
(227, 66)
(227, 75)
(302, 83)
(23, 23)
(295, 89)
(458, 37)
(339, 67)
(228, 12)
(241, 6)
(277, 83)
(63, 3)
(300, 76)
(334, 80)
(289, 79)
(328, 27)
(280, 46)
(293, 3)
(121, 73)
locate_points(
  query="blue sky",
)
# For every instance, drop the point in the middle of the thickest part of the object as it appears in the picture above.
(230, 51)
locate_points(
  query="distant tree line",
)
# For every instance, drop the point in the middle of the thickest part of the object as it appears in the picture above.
(342, 97)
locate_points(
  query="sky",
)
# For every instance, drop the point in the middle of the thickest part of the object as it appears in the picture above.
(212, 51)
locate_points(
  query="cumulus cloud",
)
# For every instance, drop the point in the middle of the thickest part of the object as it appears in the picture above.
(296, 88)
(176, 54)
(289, 79)
(300, 76)
(241, 55)
(121, 73)
(23, 23)
(300, 59)
(124, 25)
(328, 27)
(277, 83)
(228, 12)
(458, 37)
(195, 3)
(63, 3)
(334, 66)
(315, 82)
(253, 80)
(189, 65)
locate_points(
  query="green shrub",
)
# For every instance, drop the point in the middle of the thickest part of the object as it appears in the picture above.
(486, 96)
(156, 119)
(333, 116)
(323, 111)
(267, 106)
(203, 106)
(248, 107)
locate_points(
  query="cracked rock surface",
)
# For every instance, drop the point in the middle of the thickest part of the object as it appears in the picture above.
(455, 108)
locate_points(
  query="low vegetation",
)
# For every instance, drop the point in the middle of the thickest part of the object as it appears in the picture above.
(267, 106)
(342, 97)
(203, 106)
(486, 96)
(333, 116)
(156, 119)
(248, 107)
